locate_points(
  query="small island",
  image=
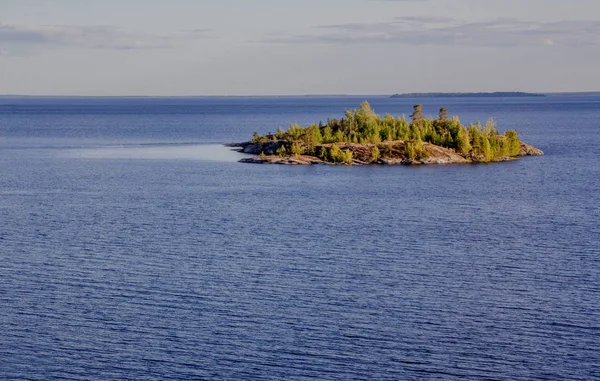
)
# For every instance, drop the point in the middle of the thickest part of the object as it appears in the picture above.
(362, 137)
(499, 94)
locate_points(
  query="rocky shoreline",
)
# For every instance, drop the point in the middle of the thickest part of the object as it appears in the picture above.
(434, 154)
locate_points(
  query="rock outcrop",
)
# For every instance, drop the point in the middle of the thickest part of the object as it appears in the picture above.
(528, 150)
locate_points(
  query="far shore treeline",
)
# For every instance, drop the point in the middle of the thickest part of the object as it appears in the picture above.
(476, 142)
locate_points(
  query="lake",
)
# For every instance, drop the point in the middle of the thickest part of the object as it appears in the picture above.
(134, 246)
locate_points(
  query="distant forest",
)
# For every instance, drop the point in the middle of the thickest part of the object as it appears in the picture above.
(468, 95)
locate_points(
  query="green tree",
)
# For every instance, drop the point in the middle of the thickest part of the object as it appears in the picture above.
(485, 149)
(282, 151)
(297, 149)
(323, 153)
(417, 116)
(295, 131)
(375, 154)
(327, 134)
(463, 146)
(513, 142)
(280, 134)
(312, 138)
(409, 150)
(489, 129)
(347, 156)
(336, 154)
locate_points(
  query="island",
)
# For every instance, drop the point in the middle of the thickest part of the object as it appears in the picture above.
(362, 137)
(499, 94)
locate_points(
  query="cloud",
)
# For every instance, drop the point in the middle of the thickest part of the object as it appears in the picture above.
(424, 30)
(93, 37)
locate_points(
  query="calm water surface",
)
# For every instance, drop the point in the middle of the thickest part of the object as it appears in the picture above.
(134, 246)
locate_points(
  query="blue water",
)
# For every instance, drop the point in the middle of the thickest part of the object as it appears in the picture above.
(134, 247)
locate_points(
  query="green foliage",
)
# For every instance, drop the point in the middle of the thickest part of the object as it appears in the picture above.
(280, 134)
(375, 154)
(485, 149)
(297, 149)
(347, 156)
(339, 137)
(282, 151)
(312, 138)
(295, 131)
(324, 154)
(362, 126)
(414, 149)
(463, 145)
(513, 142)
(327, 134)
(410, 151)
(336, 154)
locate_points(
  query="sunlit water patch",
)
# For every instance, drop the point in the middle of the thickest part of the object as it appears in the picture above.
(202, 152)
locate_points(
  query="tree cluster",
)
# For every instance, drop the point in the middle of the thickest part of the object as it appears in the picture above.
(363, 126)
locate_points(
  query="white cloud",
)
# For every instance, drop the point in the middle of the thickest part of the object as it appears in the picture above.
(445, 31)
(93, 37)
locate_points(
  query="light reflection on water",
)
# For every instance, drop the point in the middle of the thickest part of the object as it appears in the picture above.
(202, 152)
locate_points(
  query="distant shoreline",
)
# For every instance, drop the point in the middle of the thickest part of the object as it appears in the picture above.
(407, 95)
(509, 94)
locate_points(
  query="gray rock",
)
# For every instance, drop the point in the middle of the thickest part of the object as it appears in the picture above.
(528, 150)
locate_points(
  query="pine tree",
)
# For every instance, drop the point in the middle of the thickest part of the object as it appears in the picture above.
(417, 115)
(443, 116)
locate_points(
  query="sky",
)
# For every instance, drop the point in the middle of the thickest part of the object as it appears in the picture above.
(297, 47)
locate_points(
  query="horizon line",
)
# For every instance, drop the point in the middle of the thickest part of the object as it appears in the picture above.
(290, 95)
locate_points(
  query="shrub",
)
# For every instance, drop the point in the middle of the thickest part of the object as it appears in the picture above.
(297, 149)
(375, 154)
(336, 154)
(323, 154)
(282, 151)
(347, 156)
